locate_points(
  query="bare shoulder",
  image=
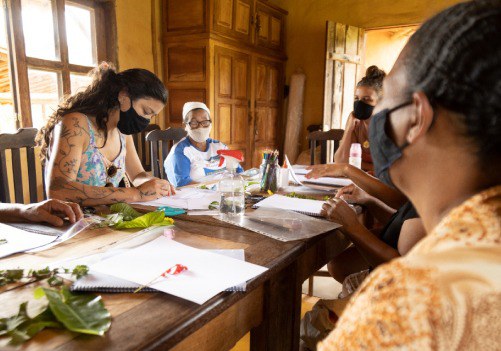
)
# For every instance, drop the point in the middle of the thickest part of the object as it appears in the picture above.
(74, 125)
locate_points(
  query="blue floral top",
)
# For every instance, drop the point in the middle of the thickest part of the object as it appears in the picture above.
(94, 166)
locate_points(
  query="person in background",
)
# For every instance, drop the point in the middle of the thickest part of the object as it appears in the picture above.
(195, 156)
(87, 143)
(49, 211)
(367, 95)
(437, 137)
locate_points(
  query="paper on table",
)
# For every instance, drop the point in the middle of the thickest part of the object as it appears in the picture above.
(186, 198)
(95, 281)
(19, 240)
(332, 181)
(295, 179)
(208, 273)
(306, 206)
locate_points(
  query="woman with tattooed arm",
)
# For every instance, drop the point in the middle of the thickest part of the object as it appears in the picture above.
(87, 145)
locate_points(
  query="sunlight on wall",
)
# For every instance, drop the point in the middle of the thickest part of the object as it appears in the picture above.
(383, 46)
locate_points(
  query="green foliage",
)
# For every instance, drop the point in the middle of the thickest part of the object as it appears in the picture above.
(147, 220)
(79, 313)
(84, 314)
(15, 275)
(214, 205)
(127, 212)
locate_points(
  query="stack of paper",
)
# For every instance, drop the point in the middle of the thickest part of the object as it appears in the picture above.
(208, 273)
(306, 206)
(187, 198)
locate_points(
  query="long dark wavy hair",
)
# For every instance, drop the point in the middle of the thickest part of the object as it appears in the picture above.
(101, 96)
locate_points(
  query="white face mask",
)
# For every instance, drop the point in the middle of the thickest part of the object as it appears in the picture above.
(200, 134)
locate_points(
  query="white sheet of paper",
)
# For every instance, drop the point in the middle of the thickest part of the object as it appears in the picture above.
(332, 181)
(292, 204)
(208, 273)
(298, 179)
(20, 240)
(186, 198)
(100, 280)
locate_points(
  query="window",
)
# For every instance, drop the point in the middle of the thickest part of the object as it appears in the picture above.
(55, 45)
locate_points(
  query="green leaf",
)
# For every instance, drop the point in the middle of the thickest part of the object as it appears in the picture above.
(147, 220)
(21, 327)
(126, 210)
(79, 313)
(80, 270)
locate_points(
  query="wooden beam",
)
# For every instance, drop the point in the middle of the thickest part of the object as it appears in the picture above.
(345, 58)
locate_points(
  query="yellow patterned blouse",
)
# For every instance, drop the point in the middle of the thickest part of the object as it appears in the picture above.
(445, 294)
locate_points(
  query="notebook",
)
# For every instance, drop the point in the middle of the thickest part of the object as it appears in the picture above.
(186, 198)
(99, 282)
(329, 184)
(305, 206)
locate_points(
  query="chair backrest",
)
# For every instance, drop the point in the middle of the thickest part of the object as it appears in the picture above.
(142, 147)
(322, 138)
(161, 141)
(24, 138)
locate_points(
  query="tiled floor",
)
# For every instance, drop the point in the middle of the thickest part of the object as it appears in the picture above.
(323, 287)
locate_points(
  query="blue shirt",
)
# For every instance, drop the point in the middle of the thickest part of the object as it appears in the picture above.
(185, 163)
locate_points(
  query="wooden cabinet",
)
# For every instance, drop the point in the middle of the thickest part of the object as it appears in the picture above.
(270, 25)
(234, 18)
(215, 52)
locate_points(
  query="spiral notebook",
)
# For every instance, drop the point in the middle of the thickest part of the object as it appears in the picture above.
(304, 206)
(99, 282)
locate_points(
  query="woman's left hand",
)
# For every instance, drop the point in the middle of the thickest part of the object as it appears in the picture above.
(338, 210)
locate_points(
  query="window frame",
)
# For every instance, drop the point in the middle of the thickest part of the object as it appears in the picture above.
(105, 23)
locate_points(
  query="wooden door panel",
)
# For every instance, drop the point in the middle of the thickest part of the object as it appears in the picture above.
(264, 25)
(224, 74)
(274, 85)
(240, 79)
(224, 123)
(261, 118)
(261, 83)
(276, 31)
(271, 125)
(232, 78)
(242, 17)
(240, 124)
(270, 27)
(224, 13)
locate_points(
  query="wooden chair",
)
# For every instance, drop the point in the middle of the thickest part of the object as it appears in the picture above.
(320, 137)
(162, 140)
(24, 138)
(142, 147)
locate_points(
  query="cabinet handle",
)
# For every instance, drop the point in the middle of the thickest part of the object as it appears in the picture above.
(258, 22)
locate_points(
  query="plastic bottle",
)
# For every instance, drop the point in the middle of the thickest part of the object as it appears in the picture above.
(232, 186)
(356, 155)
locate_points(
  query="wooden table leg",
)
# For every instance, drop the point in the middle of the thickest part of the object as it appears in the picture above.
(281, 314)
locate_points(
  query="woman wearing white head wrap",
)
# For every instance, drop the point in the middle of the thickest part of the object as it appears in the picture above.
(194, 156)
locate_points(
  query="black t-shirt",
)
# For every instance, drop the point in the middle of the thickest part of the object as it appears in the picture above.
(391, 232)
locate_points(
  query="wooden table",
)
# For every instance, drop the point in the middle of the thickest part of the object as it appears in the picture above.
(270, 308)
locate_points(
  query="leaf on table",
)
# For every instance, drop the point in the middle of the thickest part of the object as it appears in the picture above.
(22, 327)
(125, 210)
(79, 313)
(147, 220)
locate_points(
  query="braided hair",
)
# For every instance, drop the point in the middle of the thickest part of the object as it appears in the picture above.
(101, 96)
(455, 59)
(373, 79)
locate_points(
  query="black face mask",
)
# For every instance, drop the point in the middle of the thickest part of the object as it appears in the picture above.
(131, 122)
(384, 151)
(362, 110)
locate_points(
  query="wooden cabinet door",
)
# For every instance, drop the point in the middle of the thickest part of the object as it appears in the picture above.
(270, 25)
(267, 121)
(233, 18)
(232, 100)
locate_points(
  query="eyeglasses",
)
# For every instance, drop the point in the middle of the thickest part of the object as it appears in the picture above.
(196, 124)
(111, 172)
